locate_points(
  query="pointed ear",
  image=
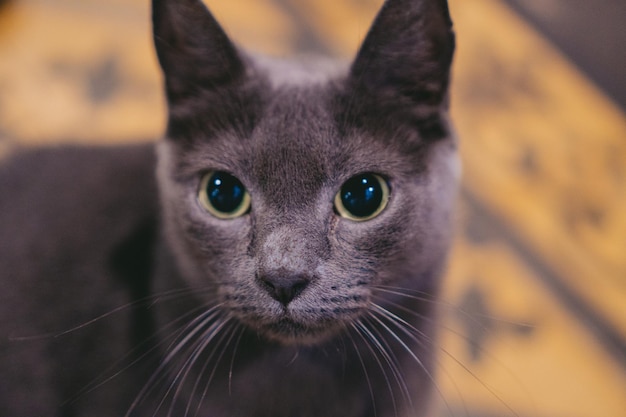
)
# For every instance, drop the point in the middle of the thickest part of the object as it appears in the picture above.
(403, 66)
(193, 50)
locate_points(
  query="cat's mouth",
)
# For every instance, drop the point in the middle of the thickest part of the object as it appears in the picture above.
(302, 322)
(289, 331)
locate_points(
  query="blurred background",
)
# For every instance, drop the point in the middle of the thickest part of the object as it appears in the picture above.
(534, 311)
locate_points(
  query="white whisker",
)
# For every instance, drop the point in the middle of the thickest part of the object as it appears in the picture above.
(103, 379)
(196, 348)
(392, 361)
(232, 360)
(144, 302)
(231, 333)
(196, 324)
(370, 339)
(403, 344)
(363, 366)
(404, 326)
(429, 298)
(172, 351)
(399, 323)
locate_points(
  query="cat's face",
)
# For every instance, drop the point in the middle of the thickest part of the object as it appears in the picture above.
(292, 193)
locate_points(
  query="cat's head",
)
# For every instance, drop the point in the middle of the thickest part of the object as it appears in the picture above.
(297, 189)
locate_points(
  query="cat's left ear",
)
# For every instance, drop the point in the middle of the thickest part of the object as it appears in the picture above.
(404, 63)
(193, 50)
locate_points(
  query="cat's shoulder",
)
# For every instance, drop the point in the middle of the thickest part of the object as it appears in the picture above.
(57, 203)
(77, 229)
(44, 178)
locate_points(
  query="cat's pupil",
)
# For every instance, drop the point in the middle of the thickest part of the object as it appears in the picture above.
(225, 192)
(363, 196)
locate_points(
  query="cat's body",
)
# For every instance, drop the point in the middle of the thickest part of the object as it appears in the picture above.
(120, 298)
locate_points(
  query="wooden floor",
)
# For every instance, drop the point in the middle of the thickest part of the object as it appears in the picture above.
(535, 311)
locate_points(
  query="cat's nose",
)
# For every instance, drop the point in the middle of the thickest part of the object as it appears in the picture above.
(284, 288)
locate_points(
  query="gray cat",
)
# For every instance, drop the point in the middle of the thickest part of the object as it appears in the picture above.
(284, 262)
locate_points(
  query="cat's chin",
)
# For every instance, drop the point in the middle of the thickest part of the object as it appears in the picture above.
(289, 332)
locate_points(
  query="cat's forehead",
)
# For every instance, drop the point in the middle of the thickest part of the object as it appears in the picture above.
(301, 137)
(302, 125)
(293, 148)
(300, 142)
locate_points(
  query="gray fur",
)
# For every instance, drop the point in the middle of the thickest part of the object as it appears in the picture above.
(84, 232)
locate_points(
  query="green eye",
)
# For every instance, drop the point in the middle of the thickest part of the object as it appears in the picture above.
(223, 195)
(362, 197)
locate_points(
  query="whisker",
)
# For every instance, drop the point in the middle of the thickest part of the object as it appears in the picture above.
(172, 352)
(438, 322)
(430, 298)
(456, 333)
(103, 379)
(392, 360)
(363, 332)
(147, 301)
(199, 348)
(421, 296)
(214, 325)
(232, 360)
(421, 340)
(403, 344)
(363, 366)
(201, 318)
(404, 326)
(231, 332)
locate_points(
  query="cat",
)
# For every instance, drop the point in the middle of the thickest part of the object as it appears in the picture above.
(279, 253)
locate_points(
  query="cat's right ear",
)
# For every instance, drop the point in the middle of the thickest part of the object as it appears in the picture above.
(194, 51)
(403, 67)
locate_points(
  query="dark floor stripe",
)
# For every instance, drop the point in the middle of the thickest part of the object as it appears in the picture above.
(590, 33)
(307, 40)
(604, 332)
